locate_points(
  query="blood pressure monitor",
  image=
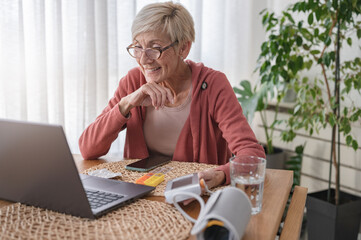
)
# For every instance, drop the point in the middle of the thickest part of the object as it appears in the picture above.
(189, 183)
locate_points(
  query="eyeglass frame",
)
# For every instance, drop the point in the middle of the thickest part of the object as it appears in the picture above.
(161, 50)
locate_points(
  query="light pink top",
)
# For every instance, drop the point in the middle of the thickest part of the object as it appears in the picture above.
(162, 127)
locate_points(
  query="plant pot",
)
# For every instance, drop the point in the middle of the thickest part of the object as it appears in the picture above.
(326, 220)
(275, 160)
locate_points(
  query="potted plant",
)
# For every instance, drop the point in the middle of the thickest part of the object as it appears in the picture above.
(316, 42)
(255, 100)
(273, 85)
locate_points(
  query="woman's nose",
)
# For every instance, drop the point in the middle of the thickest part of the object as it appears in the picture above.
(144, 59)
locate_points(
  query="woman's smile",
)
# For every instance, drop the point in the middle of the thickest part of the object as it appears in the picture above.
(152, 70)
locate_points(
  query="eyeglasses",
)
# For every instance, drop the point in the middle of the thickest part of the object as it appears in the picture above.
(152, 53)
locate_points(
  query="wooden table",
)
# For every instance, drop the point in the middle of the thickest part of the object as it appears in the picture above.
(263, 226)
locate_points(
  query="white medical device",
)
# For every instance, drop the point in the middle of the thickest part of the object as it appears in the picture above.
(185, 184)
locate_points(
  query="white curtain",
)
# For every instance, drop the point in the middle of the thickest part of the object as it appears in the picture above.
(60, 61)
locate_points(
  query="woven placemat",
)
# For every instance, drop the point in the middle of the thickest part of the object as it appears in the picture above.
(142, 219)
(178, 169)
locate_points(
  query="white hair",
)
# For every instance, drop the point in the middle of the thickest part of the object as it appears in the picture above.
(171, 18)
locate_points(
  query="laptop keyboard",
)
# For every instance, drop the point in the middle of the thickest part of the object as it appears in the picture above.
(98, 198)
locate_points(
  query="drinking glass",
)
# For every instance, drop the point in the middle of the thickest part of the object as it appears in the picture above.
(247, 174)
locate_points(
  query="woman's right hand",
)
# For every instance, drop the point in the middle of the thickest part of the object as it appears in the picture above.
(149, 94)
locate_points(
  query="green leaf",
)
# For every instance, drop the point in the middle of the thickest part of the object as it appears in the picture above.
(347, 128)
(328, 40)
(292, 66)
(303, 6)
(246, 86)
(289, 17)
(296, 7)
(299, 41)
(349, 140)
(248, 99)
(335, 4)
(300, 148)
(313, 93)
(265, 18)
(332, 120)
(295, 162)
(310, 18)
(265, 67)
(278, 59)
(293, 168)
(296, 182)
(265, 78)
(262, 11)
(316, 32)
(297, 173)
(315, 52)
(306, 47)
(299, 25)
(345, 111)
(274, 47)
(348, 85)
(349, 41)
(326, 59)
(358, 33)
(289, 136)
(306, 34)
(237, 90)
(246, 91)
(299, 62)
(354, 145)
(264, 48)
(297, 108)
(355, 116)
(318, 13)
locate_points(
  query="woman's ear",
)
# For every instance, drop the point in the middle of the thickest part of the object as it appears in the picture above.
(184, 49)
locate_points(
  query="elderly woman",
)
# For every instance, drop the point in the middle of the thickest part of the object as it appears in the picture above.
(170, 105)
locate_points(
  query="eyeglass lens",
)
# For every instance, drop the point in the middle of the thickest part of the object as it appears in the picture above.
(151, 53)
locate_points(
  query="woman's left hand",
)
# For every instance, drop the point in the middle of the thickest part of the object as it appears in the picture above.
(212, 178)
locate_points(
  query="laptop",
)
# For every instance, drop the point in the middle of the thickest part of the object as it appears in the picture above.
(38, 169)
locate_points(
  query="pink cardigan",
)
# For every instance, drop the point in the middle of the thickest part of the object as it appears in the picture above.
(215, 128)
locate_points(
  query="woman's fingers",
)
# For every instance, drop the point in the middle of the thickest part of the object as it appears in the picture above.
(212, 177)
(155, 94)
(150, 94)
(166, 94)
(147, 95)
(158, 94)
(207, 176)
